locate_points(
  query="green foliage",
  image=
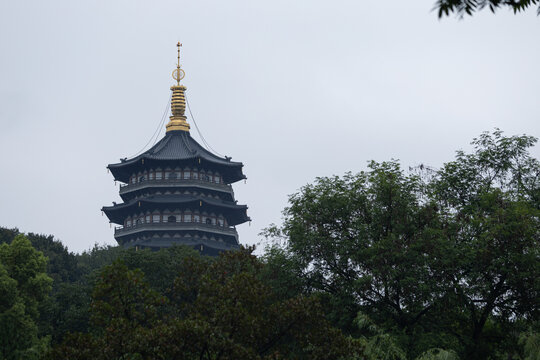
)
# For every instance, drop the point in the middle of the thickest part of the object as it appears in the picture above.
(65, 308)
(98, 257)
(27, 267)
(7, 235)
(23, 286)
(469, 7)
(365, 240)
(489, 200)
(232, 315)
(159, 267)
(530, 341)
(444, 258)
(123, 294)
(61, 265)
(378, 344)
(438, 354)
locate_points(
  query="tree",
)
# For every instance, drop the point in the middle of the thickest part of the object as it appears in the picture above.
(462, 7)
(161, 267)
(372, 244)
(223, 311)
(434, 258)
(23, 286)
(61, 264)
(378, 344)
(531, 345)
(489, 200)
(123, 308)
(66, 308)
(251, 320)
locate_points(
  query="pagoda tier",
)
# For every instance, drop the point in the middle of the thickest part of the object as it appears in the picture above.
(177, 192)
(147, 187)
(178, 148)
(233, 214)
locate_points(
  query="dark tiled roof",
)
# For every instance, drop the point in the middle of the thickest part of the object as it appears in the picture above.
(177, 145)
(180, 145)
(236, 214)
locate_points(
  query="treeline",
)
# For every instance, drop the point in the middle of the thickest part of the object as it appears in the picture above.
(384, 264)
(111, 303)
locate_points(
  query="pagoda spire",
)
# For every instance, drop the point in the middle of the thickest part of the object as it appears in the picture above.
(178, 119)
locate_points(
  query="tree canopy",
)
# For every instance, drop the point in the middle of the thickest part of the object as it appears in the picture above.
(231, 314)
(438, 258)
(469, 7)
(24, 285)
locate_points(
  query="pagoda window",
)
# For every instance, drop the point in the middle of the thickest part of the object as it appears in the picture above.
(187, 174)
(187, 218)
(151, 175)
(159, 175)
(196, 218)
(142, 178)
(133, 179)
(170, 175)
(220, 222)
(147, 218)
(128, 222)
(138, 222)
(171, 219)
(216, 179)
(195, 175)
(208, 221)
(156, 218)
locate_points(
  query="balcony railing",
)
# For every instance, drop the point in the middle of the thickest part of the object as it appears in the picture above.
(125, 188)
(120, 231)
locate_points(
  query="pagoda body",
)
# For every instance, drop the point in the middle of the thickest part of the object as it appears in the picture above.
(177, 192)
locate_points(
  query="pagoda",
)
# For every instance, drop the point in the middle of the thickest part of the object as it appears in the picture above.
(177, 192)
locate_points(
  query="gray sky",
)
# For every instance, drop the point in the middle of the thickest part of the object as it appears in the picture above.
(293, 89)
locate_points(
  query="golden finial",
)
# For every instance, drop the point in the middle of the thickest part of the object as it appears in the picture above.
(178, 121)
(178, 74)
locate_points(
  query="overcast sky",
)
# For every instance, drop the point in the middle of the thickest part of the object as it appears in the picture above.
(293, 89)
